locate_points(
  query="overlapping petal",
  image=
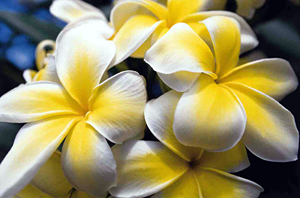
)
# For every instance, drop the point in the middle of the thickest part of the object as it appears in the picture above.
(50, 178)
(225, 36)
(145, 168)
(35, 101)
(82, 57)
(28, 75)
(271, 132)
(31, 191)
(180, 50)
(274, 77)
(133, 34)
(87, 160)
(215, 183)
(209, 116)
(33, 145)
(159, 114)
(178, 9)
(233, 160)
(48, 73)
(185, 186)
(117, 107)
(72, 10)
(123, 11)
(248, 38)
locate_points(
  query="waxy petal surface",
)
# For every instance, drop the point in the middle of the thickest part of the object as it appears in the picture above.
(87, 160)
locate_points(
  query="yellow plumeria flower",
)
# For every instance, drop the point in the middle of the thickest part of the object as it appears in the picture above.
(80, 110)
(173, 170)
(50, 181)
(221, 102)
(140, 23)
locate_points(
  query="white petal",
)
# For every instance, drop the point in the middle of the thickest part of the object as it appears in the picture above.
(33, 145)
(117, 107)
(87, 160)
(71, 10)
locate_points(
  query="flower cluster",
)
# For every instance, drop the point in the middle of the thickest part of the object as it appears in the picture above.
(213, 110)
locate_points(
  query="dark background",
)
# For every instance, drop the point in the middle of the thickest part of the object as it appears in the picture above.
(24, 23)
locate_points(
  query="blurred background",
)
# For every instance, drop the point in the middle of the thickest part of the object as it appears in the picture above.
(24, 23)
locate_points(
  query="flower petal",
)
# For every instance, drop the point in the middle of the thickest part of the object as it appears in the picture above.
(209, 116)
(82, 57)
(117, 107)
(35, 101)
(73, 10)
(180, 81)
(33, 145)
(246, 8)
(226, 39)
(48, 73)
(271, 132)
(50, 178)
(180, 49)
(179, 9)
(185, 186)
(31, 191)
(92, 22)
(133, 34)
(145, 168)
(87, 160)
(80, 194)
(123, 11)
(215, 183)
(248, 38)
(159, 114)
(233, 160)
(28, 75)
(42, 50)
(274, 77)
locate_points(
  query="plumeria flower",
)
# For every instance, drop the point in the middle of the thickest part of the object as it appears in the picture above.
(50, 181)
(140, 23)
(169, 169)
(223, 103)
(45, 63)
(80, 110)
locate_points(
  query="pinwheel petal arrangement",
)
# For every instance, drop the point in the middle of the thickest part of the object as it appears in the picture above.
(214, 110)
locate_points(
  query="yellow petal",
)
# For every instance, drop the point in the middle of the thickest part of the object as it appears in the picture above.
(271, 132)
(30, 192)
(122, 12)
(178, 9)
(244, 8)
(215, 183)
(73, 10)
(82, 57)
(28, 75)
(159, 116)
(50, 179)
(226, 39)
(43, 48)
(87, 160)
(117, 107)
(186, 186)
(209, 116)
(233, 160)
(33, 146)
(274, 77)
(145, 168)
(133, 34)
(180, 49)
(35, 101)
(248, 38)
(80, 194)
